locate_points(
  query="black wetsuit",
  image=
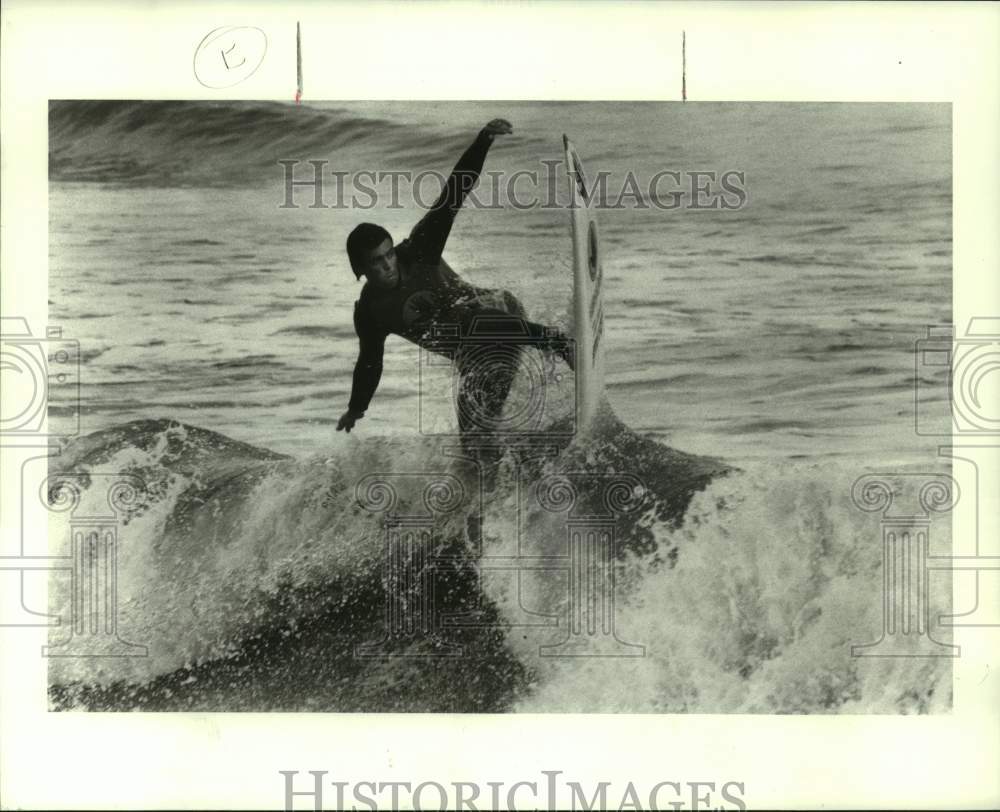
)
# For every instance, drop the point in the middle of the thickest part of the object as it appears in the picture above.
(433, 307)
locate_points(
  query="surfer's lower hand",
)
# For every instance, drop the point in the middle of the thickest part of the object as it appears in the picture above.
(499, 126)
(566, 353)
(348, 419)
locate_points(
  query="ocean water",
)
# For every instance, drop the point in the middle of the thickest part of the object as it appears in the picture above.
(772, 344)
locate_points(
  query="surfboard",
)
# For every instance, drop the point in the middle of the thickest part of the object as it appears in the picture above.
(588, 298)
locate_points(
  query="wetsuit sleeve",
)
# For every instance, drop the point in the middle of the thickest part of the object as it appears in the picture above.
(429, 236)
(368, 368)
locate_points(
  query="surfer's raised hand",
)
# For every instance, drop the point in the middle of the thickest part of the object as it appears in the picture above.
(499, 126)
(348, 419)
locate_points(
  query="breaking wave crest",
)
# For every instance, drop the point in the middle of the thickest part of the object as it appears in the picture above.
(255, 579)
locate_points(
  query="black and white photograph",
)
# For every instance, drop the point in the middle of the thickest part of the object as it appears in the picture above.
(382, 463)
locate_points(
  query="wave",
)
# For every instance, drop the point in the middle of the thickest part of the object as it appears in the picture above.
(184, 143)
(317, 330)
(257, 581)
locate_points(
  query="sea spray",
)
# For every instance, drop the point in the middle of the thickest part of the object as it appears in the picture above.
(254, 578)
(778, 575)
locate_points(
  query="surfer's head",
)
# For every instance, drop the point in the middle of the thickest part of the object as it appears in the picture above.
(372, 254)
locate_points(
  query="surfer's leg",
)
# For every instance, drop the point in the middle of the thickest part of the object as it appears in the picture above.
(488, 358)
(546, 339)
(493, 299)
(510, 327)
(549, 340)
(484, 384)
(486, 374)
(513, 305)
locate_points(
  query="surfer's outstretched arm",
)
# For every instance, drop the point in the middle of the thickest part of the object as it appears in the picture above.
(429, 236)
(367, 374)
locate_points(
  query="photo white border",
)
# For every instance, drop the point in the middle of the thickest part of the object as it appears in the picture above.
(945, 52)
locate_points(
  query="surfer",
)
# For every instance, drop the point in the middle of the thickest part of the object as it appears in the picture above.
(410, 291)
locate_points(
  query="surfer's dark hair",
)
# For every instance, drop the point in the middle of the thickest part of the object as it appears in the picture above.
(365, 237)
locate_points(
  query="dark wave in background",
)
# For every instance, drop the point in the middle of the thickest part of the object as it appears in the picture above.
(223, 144)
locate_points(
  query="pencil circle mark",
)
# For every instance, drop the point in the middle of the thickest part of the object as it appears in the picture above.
(229, 55)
